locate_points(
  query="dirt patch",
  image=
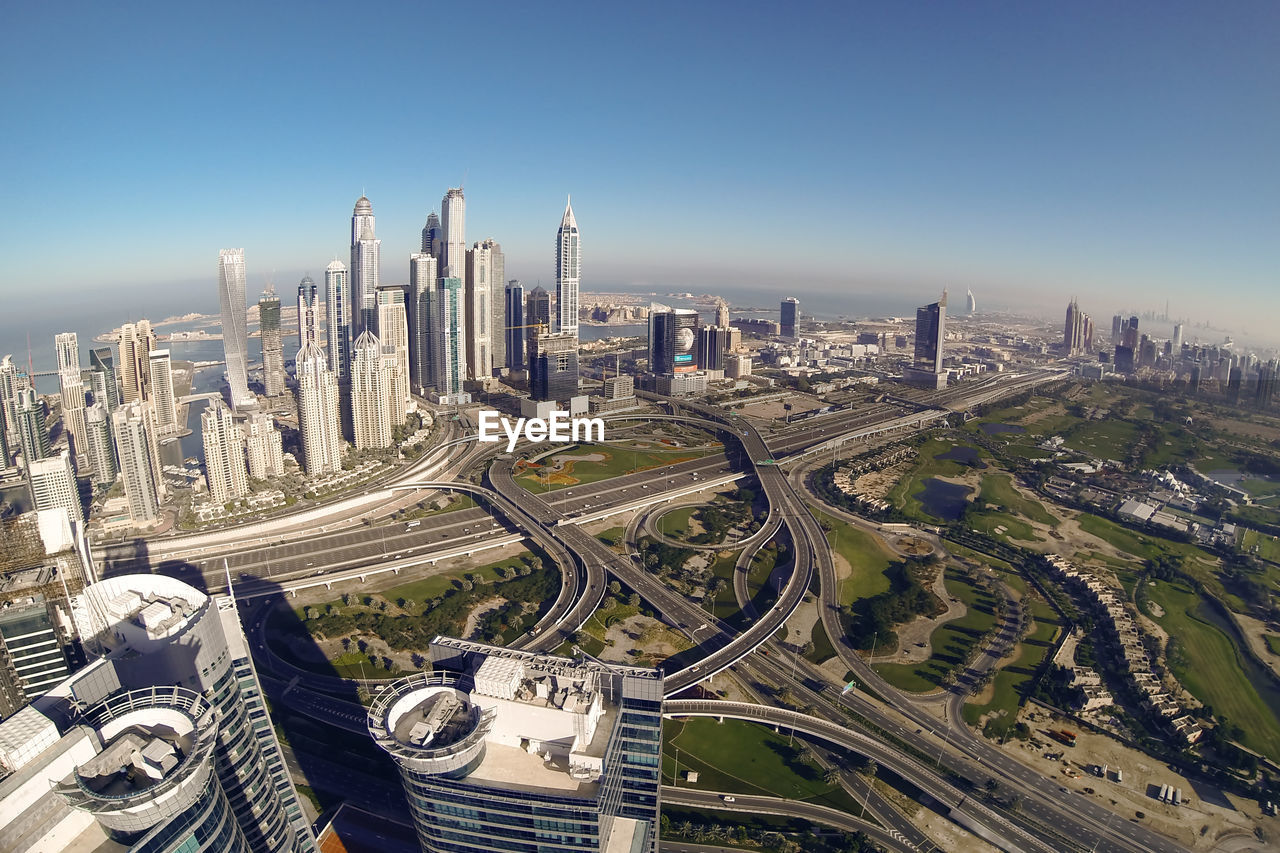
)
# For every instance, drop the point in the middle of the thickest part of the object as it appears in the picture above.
(914, 644)
(654, 641)
(912, 546)
(477, 613)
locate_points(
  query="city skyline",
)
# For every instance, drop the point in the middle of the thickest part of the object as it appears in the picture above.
(1022, 157)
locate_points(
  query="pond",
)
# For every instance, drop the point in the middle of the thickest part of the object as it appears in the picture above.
(944, 500)
(997, 429)
(964, 455)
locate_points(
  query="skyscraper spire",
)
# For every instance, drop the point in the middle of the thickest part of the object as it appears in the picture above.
(568, 269)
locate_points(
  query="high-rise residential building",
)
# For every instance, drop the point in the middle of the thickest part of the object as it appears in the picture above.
(136, 449)
(318, 420)
(790, 318)
(479, 284)
(136, 342)
(553, 365)
(370, 389)
(538, 308)
(160, 368)
(497, 307)
(365, 267)
(5, 452)
(224, 466)
(1073, 330)
(264, 448)
(421, 315)
(970, 303)
(568, 270)
(32, 647)
(513, 326)
(102, 378)
(505, 750)
(722, 314)
(71, 392)
(931, 331)
(9, 385)
(308, 312)
(101, 446)
(1177, 340)
(433, 236)
(272, 345)
(711, 348)
(53, 485)
(393, 321)
(33, 438)
(673, 341)
(453, 230)
(337, 309)
(68, 351)
(449, 341)
(235, 325)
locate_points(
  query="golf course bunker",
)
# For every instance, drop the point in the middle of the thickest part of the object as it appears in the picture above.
(912, 546)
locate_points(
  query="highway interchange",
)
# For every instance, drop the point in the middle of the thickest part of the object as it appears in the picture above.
(324, 549)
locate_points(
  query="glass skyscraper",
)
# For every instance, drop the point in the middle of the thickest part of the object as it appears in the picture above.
(235, 325)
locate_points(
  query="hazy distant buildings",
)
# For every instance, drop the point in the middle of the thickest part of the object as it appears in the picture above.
(722, 314)
(568, 271)
(272, 345)
(365, 267)
(160, 368)
(319, 424)
(223, 454)
(970, 303)
(513, 326)
(337, 308)
(1177, 340)
(370, 390)
(1076, 331)
(308, 312)
(790, 316)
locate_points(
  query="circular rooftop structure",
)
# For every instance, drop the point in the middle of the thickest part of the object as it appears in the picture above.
(427, 723)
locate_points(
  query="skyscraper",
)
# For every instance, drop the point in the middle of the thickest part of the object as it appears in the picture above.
(1131, 333)
(272, 346)
(1177, 340)
(489, 762)
(101, 445)
(1073, 330)
(673, 341)
(33, 438)
(263, 447)
(479, 281)
(308, 312)
(337, 309)
(553, 365)
(393, 322)
(497, 310)
(970, 303)
(1117, 330)
(53, 485)
(71, 392)
(711, 347)
(9, 386)
(433, 237)
(68, 351)
(136, 342)
(318, 420)
(449, 341)
(568, 270)
(538, 308)
(134, 427)
(931, 331)
(365, 266)
(513, 323)
(235, 325)
(160, 368)
(453, 230)
(105, 388)
(421, 315)
(369, 393)
(224, 466)
(790, 316)
(722, 314)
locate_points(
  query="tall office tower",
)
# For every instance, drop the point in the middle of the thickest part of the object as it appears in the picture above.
(30, 641)
(308, 312)
(1117, 330)
(553, 365)
(318, 413)
(1193, 383)
(673, 341)
(1088, 333)
(102, 366)
(160, 631)
(433, 236)
(931, 331)
(513, 325)
(136, 341)
(33, 438)
(133, 426)
(68, 351)
(9, 398)
(490, 762)
(369, 392)
(263, 447)
(497, 306)
(789, 317)
(101, 446)
(1131, 333)
(538, 308)
(711, 347)
(449, 340)
(1123, 359)
(453, 232)
(1235, 378)
(71, 392)
(1268, 378)
(272, 345)
(1073, 330)
(568, 271)
(421, 315)
(365, 266)
(393, 321)
(337, 309)
(1177, 340)
(722, 314)
(223, 454)
(235, 325)
(161, 372)
(970, 303)
(53, 485)
(479, 282)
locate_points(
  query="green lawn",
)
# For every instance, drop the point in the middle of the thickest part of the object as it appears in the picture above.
(675, 523)
(616, 462)
(1012, 680)
(1108, 439)
(950, 642)
(867, 556)
(744, 758)
(1173, 445)
(1209, 665)
(823, 651)
(1268, 546)
(1273, 643)
(613, 537)
(1001, 525)
(998, 490)
(437, 585)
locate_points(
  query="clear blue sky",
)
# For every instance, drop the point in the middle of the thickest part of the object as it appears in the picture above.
(1126, 153)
